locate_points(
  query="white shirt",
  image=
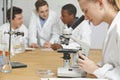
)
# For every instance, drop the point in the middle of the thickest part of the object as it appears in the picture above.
(5, 36)
(83, 33)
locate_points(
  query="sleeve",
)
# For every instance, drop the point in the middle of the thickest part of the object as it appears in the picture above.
(26, 37)
(55, 30)
(42, 41)
(86, 32)
(108, 71)
(82, 36)
(83, 32)
(32, 30)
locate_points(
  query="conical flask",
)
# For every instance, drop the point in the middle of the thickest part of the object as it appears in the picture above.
(5, 61)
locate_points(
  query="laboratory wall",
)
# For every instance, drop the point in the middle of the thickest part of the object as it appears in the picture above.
(1, 14)
(98, 32)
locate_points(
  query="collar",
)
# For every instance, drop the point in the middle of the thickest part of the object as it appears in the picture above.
(114, 22)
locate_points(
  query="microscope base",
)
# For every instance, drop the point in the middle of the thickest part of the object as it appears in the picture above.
(70, 72)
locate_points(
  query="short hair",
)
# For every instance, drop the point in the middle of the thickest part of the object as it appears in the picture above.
(16, 10)
(70, 8)
(40, 3)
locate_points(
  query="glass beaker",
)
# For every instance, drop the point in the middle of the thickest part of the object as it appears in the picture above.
(18, 44)
(5, 65)
(43, 73)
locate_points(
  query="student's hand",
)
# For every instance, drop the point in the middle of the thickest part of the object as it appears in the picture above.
(47, 45)
(86, 64)
(56, 46)
(34, 45)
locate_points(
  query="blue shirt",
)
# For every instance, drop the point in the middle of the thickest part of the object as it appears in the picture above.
(42, 21)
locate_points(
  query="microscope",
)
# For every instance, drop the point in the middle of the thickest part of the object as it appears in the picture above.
(66, 33)
(70, 56)
(70, 69)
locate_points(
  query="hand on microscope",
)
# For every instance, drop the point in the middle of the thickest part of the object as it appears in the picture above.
(56, 46)
(84, 63)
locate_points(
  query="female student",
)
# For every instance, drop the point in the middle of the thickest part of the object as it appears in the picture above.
(97, 11)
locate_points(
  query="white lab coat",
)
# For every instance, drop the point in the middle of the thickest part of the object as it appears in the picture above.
(111, 52)
(5, 37)
(83, 33)
(49, 32)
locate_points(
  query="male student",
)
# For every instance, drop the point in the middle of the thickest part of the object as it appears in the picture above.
(81, 32)
(43, 27)
(19, 36)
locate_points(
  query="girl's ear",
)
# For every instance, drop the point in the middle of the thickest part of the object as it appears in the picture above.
(100, 2)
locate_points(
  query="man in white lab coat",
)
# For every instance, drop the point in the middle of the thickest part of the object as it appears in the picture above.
(17, 28)
(81, 32)
(43, 27)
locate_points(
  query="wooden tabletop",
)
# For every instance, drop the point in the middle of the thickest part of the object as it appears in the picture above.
(40, 59)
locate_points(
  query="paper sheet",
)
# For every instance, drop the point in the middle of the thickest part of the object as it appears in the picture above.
(71, 79)
(29, 49)
(46, 49)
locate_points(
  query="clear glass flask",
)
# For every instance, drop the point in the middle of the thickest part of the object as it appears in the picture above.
(5, 65)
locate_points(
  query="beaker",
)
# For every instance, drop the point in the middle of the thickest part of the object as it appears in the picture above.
(18, 44)
(5, 65)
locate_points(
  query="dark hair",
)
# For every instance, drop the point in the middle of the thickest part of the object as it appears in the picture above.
(16, 10)
(40, 3)
(70, 8)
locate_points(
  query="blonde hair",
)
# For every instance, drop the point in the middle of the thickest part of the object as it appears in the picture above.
(118, 4)
(115, 4)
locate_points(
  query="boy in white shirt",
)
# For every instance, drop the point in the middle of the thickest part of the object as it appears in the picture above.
(17, 29)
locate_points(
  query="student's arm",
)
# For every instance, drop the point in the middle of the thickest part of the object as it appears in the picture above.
(32, 30)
